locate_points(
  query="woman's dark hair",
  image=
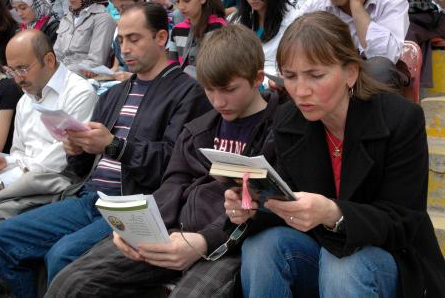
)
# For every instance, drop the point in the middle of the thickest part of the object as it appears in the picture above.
(210, 7)
(7, 23)
(275, 12)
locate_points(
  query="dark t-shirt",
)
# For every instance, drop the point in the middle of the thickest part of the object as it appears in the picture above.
(233, 136)
(10, 94)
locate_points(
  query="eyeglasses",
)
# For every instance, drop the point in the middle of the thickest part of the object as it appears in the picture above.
(22, 72)
(220, 251)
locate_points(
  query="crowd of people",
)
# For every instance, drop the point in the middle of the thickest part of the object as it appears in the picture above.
(313, 85)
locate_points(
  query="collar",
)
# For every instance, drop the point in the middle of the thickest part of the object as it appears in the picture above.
(57, 81)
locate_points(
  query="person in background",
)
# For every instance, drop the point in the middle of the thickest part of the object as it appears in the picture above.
(426, 22)
(10, 94)
(357, 156)
(85, 35)
(268, 19)
(37, 14)
(132, 134)
(202, 17)
(8, 27)
(378, 29)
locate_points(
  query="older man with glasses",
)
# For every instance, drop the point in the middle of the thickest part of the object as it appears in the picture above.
(35, 153)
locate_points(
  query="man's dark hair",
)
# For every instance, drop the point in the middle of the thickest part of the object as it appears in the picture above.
(41, 45)
(156, 17)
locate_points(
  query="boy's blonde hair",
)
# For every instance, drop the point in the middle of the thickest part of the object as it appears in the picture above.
(227, 53)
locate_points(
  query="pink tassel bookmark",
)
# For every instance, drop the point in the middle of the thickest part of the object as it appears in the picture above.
(246, 202)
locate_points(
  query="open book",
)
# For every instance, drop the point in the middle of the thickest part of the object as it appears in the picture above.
(264, 181)
(135, 218)
(58, 122)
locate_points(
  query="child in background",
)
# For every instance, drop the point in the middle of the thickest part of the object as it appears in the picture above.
(201, 17)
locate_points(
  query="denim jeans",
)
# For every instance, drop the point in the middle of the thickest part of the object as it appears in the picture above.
(58, 233)
(281, 261)
(278, 259)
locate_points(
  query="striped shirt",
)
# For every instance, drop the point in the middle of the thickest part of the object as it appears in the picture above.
(179, 36)
(421, 5)
(107, 175)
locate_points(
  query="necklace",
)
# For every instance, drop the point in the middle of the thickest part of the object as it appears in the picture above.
(337, 149)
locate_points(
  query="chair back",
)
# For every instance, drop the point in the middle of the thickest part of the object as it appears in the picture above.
(412, 56)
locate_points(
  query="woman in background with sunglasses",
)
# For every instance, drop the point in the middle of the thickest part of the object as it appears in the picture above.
(357, 156)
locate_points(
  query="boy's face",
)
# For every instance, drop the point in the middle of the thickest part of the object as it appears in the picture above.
(238, 99)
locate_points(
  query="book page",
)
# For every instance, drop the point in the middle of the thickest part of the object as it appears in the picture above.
(217, 156)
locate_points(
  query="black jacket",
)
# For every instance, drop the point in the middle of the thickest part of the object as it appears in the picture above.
(50, 29)
(172, 100)
(188, 194)
(383, 186)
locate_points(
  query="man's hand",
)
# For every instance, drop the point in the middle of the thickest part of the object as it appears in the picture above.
(3, 163)
(92, 141)
(122, 75)
(175, 255)
(71, 149)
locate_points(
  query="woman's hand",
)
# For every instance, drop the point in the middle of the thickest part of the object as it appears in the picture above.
(234, 211)
(307, 212)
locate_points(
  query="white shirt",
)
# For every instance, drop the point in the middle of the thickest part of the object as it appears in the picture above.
(32, 144)
(386, 32)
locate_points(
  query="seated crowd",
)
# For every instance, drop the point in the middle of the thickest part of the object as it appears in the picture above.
(313, 85)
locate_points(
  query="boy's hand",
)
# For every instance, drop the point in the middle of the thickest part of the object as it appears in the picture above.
(3, 163)
(234, 211)
(175, 255)
(126, 249)
(92, 141)
(122, 75)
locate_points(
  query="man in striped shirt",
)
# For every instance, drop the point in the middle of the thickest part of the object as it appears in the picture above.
(132, 134)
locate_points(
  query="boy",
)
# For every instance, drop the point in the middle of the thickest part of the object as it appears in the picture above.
(229, 66)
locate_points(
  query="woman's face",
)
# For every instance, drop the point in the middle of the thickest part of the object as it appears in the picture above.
(258, 5)
(76, 4)
(24, 11)
(319, 91)
(191, 9)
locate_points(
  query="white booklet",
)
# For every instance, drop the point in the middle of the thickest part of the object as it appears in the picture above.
(99, 70)
(58, 122)
(135, 218)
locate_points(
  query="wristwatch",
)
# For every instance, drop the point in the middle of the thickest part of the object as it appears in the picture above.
(112, 149)
(339, 226)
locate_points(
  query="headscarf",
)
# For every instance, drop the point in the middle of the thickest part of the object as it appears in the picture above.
(83, 4)
(41, 8)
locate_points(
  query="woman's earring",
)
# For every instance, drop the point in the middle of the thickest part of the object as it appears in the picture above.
(351, 91)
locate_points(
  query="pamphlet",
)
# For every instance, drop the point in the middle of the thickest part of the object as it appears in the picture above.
(135, 218)
(58, 122)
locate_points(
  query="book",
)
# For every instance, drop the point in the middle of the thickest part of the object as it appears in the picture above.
(264, 181)
(135, 218)
(57, 122)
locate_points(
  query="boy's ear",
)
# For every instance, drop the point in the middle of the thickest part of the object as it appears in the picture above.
(259, 78)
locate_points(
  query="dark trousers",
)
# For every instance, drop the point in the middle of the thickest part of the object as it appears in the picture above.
(105, 272)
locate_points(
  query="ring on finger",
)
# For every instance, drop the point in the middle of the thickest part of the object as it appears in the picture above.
(233, 211)
(291, 219)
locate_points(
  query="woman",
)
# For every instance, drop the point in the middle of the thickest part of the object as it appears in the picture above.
(201, 17)
(37, 14)
(10, 94)
(85, 35)
(8, 27)
(358, 158)
(269, 22)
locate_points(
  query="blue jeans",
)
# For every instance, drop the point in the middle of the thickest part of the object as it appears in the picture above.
(58, 233)
(278, 259)
(281, 261)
